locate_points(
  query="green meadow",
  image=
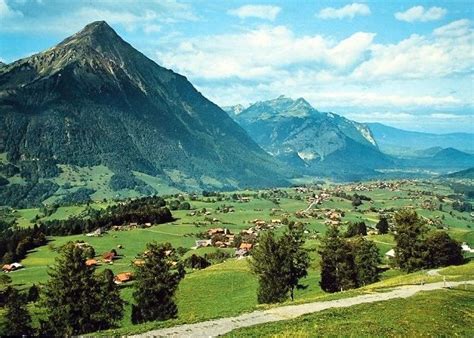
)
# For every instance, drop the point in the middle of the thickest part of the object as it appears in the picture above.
(229, 288)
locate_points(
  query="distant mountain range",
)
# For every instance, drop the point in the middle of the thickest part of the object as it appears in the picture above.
(406, 143)
(94, 118)
(93, 100)
(321, 143)
(463, 174)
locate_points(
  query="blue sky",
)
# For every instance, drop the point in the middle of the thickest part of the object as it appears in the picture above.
(403, 63)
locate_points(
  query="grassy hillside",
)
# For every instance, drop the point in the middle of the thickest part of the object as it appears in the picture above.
(229, 288)
(435, 313)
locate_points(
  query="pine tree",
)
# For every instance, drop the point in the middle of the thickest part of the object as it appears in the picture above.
(410, 249)
(356, 228)
(338, 271)
(279, 264)
(33, 293)
(17, 317)
(296, 256)
(382, 225)
(156, 283)
(443, 250)
(112, 306)
(268, 263)
(367, 260)
(74, 296)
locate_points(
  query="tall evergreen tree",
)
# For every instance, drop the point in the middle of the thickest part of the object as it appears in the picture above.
(410, 248)
(156, 283)
(338, 271)
(382, 225)
(297, 259)
(279, 264)
(356, 228)
(17, 317)
(367, 260)
(74, 298)
(443, 250)
(268, 263)
(112, 306)
(33, 293)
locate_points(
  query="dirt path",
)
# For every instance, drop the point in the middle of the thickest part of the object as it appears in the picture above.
(224, 325)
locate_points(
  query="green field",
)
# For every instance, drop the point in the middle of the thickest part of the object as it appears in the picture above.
(228, 288)
(435, 313)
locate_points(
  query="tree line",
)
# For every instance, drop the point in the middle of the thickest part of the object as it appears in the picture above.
(16, 241)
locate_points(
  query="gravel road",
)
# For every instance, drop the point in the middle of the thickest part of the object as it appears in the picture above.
(221, 326)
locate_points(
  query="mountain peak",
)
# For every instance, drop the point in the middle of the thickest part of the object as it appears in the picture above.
(96, 34)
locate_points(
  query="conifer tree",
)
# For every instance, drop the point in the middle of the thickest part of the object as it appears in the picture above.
(410, 249)
(382, 225)
(338, 270)
(442, 250)
(75, 297)
(279, 264)
(296, 257)
(156, 283)
(268, 263)
(17, 317)
(366, 260)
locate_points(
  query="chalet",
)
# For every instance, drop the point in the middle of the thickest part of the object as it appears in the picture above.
(92, 262)
(108, 257)
(203, 243)
(215, 231)
(241, 253)
(96, 233)
(123, 277)
(138, 262)
(466, 248)
(246, 246)
(276, 221)
(11, 267)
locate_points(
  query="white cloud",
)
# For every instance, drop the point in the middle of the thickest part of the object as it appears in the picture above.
(262, 53)
(266, 12)
(447, 52)
(454, 29)
(419, 13)
(348, 11)
(7, 12)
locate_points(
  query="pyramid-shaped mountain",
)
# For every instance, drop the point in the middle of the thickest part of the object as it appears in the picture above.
(94, 100)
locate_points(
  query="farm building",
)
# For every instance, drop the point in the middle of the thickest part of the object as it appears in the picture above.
(203, 243)
(11, 267)
(108, 257)
(466, 248)
(246, 246)
(123, 277)
(390, 253)
(92, 262)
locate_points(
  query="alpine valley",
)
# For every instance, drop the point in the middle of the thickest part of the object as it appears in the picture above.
(92, 118)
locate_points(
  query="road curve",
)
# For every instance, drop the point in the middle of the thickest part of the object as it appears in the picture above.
(225, 325)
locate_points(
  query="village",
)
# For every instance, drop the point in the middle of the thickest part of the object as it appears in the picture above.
(230, 224)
